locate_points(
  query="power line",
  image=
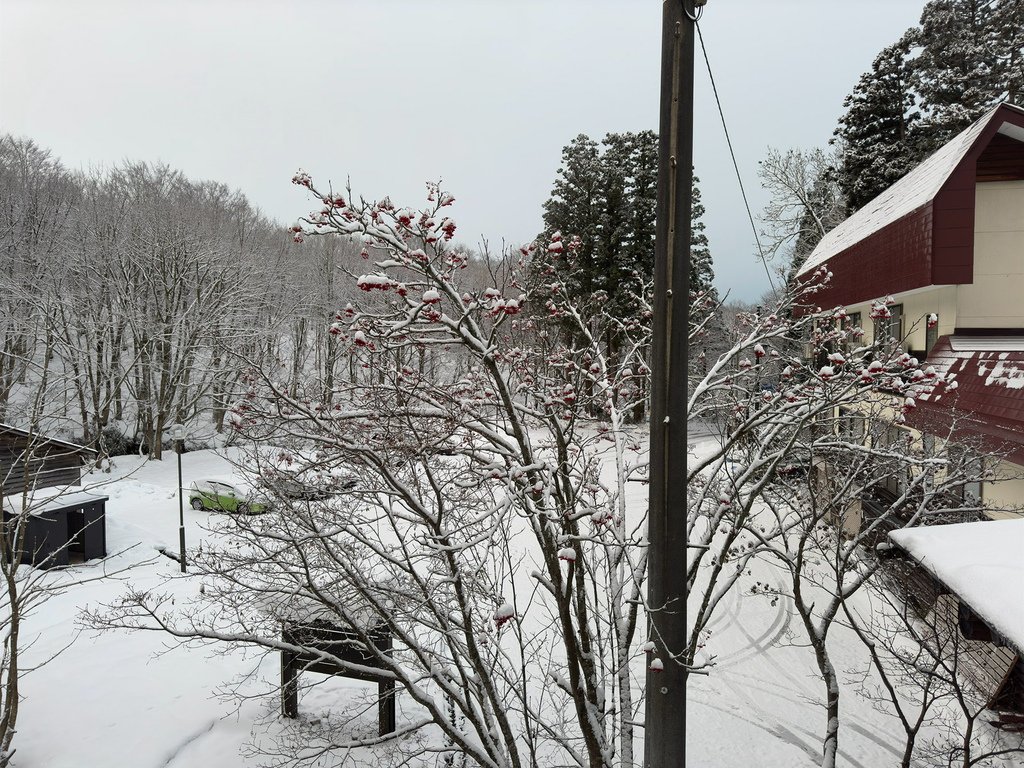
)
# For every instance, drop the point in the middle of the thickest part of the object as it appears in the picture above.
(732, 154)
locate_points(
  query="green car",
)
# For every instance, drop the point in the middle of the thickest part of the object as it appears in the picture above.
(216, 496)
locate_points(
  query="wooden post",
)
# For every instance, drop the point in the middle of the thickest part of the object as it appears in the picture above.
(386, 707)
(289, 685)
(665, 718)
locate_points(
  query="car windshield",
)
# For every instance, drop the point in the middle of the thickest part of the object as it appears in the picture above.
(215, 487)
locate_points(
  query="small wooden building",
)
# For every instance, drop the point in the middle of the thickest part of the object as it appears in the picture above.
(47, 516)
(966, 580)
(30, 460)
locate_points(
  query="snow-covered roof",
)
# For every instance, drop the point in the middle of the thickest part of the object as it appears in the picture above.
(982, 563)
(983, 398)
(914, 190)
(44, 438)
(46, 499)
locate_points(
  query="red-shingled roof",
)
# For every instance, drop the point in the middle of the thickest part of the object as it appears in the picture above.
(987, 403)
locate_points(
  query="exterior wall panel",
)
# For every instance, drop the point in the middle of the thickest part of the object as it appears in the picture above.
(892, 260)
(35, 462)
(1001, 160)
(995, 299)
(953, 244)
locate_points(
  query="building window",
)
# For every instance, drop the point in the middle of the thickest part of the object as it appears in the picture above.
(970, 466)
(894, 440)
(854, 332)
(851, 426)
(890, 328)
(931, 333)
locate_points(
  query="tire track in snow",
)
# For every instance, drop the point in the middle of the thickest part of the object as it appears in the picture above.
(760, 647)
(872, 736)
(767, 722)
(778, 627)
(184, 745)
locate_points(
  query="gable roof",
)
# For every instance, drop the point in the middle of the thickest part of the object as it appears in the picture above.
(897, 232)
(906, 195)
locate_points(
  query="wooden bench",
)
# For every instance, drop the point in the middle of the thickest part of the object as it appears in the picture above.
(342, 644)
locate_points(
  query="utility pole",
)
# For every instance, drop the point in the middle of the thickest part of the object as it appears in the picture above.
(665, 720)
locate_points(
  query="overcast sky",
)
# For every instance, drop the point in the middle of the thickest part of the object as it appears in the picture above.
(392, 93)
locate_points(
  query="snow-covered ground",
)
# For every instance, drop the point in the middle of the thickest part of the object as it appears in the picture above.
(763, 702)
(121, 700)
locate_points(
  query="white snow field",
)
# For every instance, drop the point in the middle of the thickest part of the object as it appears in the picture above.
(120, 700)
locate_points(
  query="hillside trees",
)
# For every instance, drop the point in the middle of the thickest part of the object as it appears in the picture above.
(38, 195)
(152, 293)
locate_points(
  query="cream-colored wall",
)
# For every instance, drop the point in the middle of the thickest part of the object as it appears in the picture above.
(996, 297)
(917, 305)
(1004, 496)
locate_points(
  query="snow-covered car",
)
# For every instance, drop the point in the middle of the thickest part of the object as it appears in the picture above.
(311, 488)
(297, 475)
(218, 496)
(294, 488)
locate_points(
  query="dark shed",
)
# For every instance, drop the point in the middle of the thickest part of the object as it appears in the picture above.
(43, 507)
(30, 460)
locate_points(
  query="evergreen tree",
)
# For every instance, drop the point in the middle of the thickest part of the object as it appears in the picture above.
(876, 131)
(964, 58)
(1006, 38)
(702, 274)
(607, 197)
(575, 205)
(955, 75)
(610, 267)
(639, 249)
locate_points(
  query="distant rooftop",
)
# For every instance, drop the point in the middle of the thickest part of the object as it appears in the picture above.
(42, 438)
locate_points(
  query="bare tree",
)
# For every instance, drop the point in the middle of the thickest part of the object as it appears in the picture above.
(926, 672)
(457, 467)
(37, 194)
(805, 204)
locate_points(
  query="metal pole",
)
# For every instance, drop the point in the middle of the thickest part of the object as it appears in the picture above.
(665, 721)
(181, 510)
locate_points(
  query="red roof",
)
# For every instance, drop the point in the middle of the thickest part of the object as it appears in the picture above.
(920, 231)
(987, 403)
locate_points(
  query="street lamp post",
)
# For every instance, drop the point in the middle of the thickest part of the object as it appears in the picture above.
(178, 435)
